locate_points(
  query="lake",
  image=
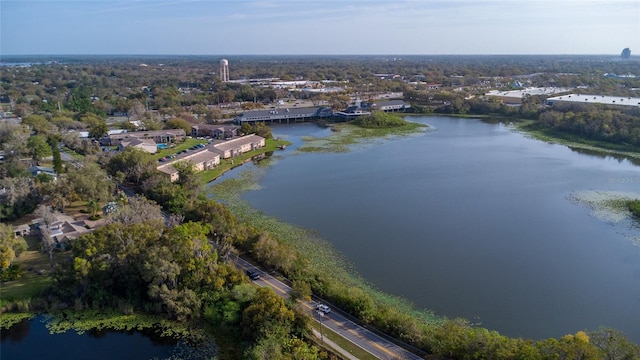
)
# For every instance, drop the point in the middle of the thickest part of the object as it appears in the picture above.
(471, 220)
(30, 339)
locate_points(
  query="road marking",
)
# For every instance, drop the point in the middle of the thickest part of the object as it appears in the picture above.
(274, 286)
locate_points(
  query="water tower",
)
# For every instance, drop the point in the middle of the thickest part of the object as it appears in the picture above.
(224, 70)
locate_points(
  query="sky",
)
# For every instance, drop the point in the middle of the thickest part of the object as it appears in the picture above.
(308, 27)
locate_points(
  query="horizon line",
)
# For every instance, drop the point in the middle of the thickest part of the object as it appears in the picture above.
(354, 54)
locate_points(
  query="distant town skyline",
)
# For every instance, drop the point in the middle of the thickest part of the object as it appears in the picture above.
(330, 27)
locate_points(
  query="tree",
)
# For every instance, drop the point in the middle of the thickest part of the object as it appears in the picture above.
(10, 246)
(20, 197)
(89, 181)
(55, 151)
(39, 148)
(97, 130)
(187, 177)
(138, 210)
(614, 345)
(135, 164)
(47, 219)
(266, 313)
(177, 123)
(39, 124)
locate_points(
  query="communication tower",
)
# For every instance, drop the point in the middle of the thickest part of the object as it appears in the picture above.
(224, 70)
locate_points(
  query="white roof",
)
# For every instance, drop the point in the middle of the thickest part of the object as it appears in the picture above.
(598, 99)
(527, 91)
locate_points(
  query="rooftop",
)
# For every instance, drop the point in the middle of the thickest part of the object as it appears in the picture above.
(528, 91)
(597, 99)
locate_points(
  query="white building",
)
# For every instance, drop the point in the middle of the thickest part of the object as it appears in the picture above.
(595, 99)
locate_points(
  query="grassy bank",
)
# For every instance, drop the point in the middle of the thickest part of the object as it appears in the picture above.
(574, 141)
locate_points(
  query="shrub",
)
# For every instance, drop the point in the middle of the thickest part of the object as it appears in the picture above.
(13, 272)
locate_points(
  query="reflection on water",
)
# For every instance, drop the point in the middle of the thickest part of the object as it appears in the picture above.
(30, 339)
(604, 155)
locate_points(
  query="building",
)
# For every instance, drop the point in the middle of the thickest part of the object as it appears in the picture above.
(239, 146)
(147, 145)
(201, 160)
(224, 70)
(350, 113)
(159, 136)
(37, 170)
(284, 115)
(595, 99)
(215, 131)
(514, 97)
(209, 156)
(388, 106)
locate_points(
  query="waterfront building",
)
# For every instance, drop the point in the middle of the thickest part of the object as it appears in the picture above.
(284, 115)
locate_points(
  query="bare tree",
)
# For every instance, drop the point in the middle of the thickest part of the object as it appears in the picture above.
(47, 219)
(138, 210)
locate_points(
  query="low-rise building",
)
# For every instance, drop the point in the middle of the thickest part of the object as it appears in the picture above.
(209, 156)
(514, 97)
(389, 105)
(239, 146)
(201, 160)
(284, 115)
(148, 145)
(595, 99)
(215, 131)
(159, 136)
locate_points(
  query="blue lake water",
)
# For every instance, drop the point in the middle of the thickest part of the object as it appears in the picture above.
(30, 339)
(471, 220)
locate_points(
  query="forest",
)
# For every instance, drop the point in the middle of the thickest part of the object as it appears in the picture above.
(168, 246)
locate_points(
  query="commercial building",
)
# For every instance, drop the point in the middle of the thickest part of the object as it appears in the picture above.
(595, 99)
(287, 115)
(514, 97)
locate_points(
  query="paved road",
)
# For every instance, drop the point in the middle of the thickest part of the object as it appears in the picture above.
(361, 337)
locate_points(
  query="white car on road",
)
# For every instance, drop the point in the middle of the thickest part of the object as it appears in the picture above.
(323, 308)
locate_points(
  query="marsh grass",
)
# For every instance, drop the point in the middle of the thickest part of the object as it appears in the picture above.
(88, 320)
(346, 135)
(611, 207)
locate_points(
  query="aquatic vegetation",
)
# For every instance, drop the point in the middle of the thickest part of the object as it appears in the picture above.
(346, 135)
(8, 319)
(611, 207)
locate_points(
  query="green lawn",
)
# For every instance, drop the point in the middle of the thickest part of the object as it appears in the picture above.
(33, 281)
(187, 143)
